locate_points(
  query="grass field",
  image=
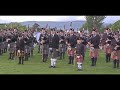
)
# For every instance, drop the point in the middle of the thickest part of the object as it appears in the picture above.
(35, 66)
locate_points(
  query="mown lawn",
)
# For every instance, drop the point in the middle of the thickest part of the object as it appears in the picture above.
(35, 66)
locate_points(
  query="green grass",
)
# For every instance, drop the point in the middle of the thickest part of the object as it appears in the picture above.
(35, 66)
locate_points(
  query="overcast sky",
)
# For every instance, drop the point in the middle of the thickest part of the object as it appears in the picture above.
(50, 18)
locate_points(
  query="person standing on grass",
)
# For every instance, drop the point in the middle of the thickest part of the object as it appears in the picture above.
(20, 53)
(45, 42)
(79, 53)
(55, 47)
(108, 49)
(104, 37)
(70, 53)
(115, 55)
(62, 45)
(94, 46)
(72, 41)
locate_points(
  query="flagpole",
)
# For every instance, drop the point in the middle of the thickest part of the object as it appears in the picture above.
(64, 27)
(71, 25)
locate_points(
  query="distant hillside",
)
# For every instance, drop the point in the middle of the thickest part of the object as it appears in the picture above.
(52, 24)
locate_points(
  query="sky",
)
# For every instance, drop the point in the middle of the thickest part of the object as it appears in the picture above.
(50, 18)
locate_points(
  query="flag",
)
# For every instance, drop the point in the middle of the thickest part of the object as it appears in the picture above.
(64, 27)
(28, 26)
(71, 25)
(37, 35)
(46, 26)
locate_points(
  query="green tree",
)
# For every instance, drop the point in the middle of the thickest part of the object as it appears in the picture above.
(116, 25)
(94, 22)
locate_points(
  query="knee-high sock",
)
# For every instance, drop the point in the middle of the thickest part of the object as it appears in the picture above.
(95, 60)
(117, 63)
(109, 55)
(114, 63)
(54, 62)
(79, 65)
(92, 59)
(51, 62)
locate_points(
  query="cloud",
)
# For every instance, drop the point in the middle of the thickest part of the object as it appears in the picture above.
(40, 18)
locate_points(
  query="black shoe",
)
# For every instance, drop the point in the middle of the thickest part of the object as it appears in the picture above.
(54, 66)
(79, 70)
(50, 66)
(69, 63)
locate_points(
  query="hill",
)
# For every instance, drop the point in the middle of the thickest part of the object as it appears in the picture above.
(52, 24)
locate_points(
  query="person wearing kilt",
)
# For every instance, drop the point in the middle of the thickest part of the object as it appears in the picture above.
(108, 50)
(55, 47)
(11, 51)
(94, 46)
(45, 43)
(72, 41)
(26, 49)
(62, 47)
(21, 51)
(79, 53)
(26, 52)
(0, 44)
(70, 53)
(20, 54)
(115, 56)
(104, 37)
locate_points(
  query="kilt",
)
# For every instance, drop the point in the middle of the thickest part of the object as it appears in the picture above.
(93, 53)
(20, 54)
(79, 59)
(6, 44)
(3, 45)
(118, 54)
(12, 48)
(0, 45)
(26, 49)
(114, 55)
(62, 48)
(54, 53)
(45, 49)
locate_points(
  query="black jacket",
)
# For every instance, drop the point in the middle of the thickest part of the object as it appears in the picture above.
(80, 49)
(95, 41)
(55, 41)
(73, 41)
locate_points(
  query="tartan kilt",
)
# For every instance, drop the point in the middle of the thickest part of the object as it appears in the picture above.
(79, 59)
(26, 49)
(54, 53)
(61, 48)
(3, 45)
(11, 50)
(103, 42)
(20, 54)
(114, 55)
(45, 49)
(0, 45)
(93, 53)
(6, 44)
(118, 54)
(41, 47)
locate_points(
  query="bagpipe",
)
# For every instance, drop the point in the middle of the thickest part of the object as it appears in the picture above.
(20, 53)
